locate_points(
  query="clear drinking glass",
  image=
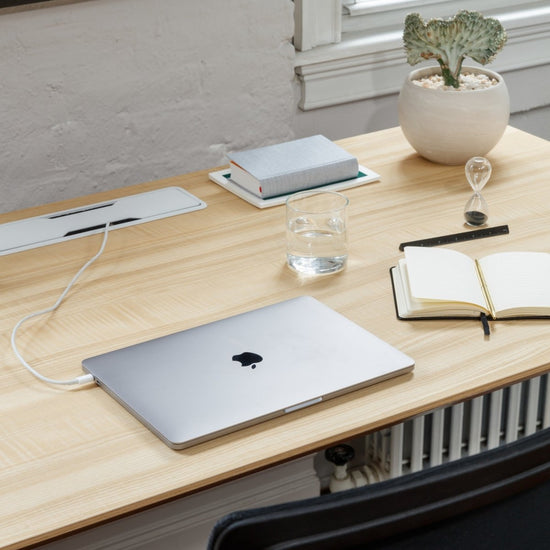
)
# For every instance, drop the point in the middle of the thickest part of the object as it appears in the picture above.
(316, 232)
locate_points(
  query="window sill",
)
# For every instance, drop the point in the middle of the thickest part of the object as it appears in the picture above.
(364, 66)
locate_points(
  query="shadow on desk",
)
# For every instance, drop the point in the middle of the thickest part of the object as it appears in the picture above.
(496, 499)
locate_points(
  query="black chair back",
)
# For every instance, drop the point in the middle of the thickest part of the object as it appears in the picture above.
(498, 499)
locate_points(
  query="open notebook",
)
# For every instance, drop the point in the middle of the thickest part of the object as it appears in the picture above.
(440, 282)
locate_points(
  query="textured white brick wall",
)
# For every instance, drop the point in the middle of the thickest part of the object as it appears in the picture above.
(102, 94)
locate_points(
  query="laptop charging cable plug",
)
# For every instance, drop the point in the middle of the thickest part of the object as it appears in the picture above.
(79, 380)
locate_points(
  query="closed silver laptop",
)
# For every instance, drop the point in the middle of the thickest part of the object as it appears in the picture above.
(203, 382)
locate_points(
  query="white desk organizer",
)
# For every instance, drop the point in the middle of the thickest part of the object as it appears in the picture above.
(90, 219)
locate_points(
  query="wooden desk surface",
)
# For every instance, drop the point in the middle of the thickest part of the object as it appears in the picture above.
(70, 458)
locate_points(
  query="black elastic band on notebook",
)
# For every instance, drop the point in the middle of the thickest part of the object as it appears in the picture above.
(485, 324)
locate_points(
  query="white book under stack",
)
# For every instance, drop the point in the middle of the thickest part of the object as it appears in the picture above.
(265, 176)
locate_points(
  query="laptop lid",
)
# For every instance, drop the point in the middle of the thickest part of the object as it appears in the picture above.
(206, 381)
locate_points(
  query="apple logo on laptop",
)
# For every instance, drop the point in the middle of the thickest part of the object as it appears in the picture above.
(248, 359)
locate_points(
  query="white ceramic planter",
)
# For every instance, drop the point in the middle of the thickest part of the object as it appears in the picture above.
(449, 126)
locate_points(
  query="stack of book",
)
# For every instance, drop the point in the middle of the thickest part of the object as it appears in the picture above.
(267, 175)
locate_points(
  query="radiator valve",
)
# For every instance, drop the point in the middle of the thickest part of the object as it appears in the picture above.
(340, 479)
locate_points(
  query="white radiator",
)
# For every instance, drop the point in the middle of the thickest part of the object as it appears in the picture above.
(456, 431)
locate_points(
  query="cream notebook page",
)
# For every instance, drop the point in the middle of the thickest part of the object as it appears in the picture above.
(443, 274)
(518, 280)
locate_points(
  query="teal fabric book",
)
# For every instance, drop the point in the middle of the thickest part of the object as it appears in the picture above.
(292, 166)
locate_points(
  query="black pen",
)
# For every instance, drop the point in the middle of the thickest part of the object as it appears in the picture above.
(459, 237)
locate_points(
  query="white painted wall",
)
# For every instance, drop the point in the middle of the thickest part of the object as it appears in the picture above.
(101, 94)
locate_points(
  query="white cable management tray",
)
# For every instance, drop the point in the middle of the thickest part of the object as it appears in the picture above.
(87, 220)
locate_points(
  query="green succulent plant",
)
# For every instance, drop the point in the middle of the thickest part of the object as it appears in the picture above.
(450, 41)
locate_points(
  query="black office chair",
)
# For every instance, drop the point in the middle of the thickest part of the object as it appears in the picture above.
(498, 500)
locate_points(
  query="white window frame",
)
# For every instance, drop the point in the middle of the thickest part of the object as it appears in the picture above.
(349, 50)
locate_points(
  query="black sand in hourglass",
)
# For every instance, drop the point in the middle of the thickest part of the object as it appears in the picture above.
(473, 217)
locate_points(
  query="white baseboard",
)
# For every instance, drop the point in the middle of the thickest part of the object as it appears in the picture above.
(187, 522)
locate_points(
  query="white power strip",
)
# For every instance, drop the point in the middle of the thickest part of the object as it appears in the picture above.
(86, 220)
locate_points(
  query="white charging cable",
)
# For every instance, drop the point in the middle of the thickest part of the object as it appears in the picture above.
(85, 378)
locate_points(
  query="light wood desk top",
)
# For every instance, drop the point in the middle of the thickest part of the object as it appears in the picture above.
(70, 458)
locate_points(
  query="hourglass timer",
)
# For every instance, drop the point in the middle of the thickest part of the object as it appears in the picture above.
(478, 171)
